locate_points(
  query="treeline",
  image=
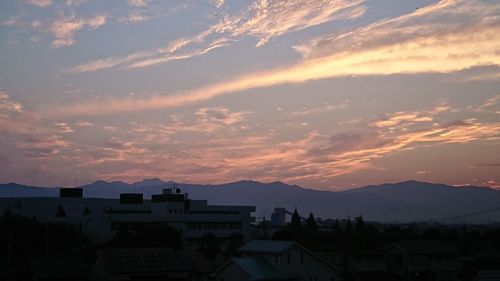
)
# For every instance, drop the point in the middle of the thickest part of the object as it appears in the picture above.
(24, 238)
(356, 235)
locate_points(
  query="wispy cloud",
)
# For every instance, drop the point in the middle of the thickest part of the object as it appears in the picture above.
(320, 109)
(223, 42)
(431, 39)
(84, 124)
(401, 117)
(222, 114)
(138, 3)
(263, 20)
(64, 128)
(41, 3)
(64, 28)
(490, 105)
(7, 104)
(40, 146)
(133, 18)
(267, 19)
(487, 165)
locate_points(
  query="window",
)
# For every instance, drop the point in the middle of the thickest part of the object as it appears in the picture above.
(301, 258)
(277, 259)
(288, 258)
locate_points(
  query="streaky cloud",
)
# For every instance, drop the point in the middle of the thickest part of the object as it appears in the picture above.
(263, 20)
(446, 46)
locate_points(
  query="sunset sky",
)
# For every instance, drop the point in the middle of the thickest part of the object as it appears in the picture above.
(324, 94)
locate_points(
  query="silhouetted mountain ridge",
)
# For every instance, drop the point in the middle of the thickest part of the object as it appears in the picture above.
(404, 201)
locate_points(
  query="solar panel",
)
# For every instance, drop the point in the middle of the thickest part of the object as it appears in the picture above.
(141, 261)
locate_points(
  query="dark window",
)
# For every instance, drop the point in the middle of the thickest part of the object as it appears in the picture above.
(301, 258)
(288, 258)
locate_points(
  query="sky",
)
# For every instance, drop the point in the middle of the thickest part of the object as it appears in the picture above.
(330, 95)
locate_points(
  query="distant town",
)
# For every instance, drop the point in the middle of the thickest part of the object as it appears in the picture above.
(173, 237)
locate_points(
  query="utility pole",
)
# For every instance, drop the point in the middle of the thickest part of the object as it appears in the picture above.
(46, 239)
(9, 254)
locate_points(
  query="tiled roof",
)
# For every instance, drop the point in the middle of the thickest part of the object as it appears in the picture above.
(259, 269)
(267, 246)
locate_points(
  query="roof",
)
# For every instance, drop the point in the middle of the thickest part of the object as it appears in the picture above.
(152, 260)
(259, 269)
(426, 247)
(279, 247)
(267, 246)
(62, 267)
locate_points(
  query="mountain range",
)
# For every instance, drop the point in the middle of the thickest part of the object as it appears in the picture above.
(391, 202)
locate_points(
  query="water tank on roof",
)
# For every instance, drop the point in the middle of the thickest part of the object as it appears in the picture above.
(131, 198)
(71, 192)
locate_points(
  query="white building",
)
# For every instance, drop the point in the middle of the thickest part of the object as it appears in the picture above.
(281, 260)
(100, 218)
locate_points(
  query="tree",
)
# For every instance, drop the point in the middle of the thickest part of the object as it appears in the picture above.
(348, 229)
(359, 224)
(236, 240)
(60, 212)
(311, 226)
(336, 229)
(209, 245)
(295, 224)
(147, 236)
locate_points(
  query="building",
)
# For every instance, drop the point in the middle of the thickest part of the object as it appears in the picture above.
(423, 260)
(276, 260)
(101, 218)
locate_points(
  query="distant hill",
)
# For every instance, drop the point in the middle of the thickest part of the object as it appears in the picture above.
(404, 201)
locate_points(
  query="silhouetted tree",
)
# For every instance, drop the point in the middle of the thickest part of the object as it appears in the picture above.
(26, 238)
(336, 229)
(348, 228)
(60, 212)
(359, 224)
(209, 246)
(295, 224)
(147, 236)
(236, 240)
(311, 226)
(158, 235)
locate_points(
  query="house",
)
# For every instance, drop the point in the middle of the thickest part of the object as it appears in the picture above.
(287, 260)
(251, 269)
(423, 260)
